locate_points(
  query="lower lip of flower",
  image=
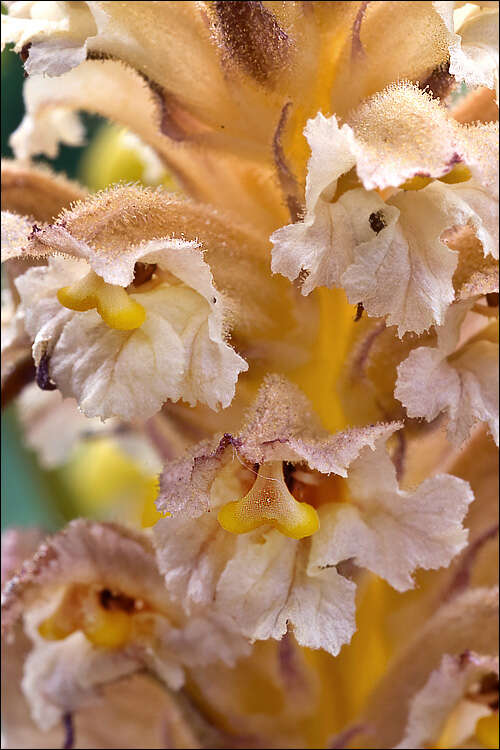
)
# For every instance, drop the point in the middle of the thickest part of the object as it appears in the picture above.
(270, 502)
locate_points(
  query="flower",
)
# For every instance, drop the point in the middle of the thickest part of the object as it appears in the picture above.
(113, 326)
(473, 42)
(377, 248)
(459, 687)
(93, 603)
(292, 322)
(268, 578)
(464, 378)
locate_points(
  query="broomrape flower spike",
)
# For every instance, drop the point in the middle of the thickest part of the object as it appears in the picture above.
(268, 368)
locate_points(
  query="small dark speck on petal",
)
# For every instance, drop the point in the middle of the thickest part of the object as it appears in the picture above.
(377, 221)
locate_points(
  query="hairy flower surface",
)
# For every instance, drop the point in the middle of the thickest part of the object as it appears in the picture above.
(461, 380)
(257, 349)
(266, 579)
(95, 607)
(380, 250)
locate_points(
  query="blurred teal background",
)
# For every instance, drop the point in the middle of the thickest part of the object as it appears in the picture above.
(30, 496)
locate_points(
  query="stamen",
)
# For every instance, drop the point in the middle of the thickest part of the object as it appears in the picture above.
(270, 502)
(112, 302)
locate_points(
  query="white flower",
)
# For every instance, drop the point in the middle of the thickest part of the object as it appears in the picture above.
(95, 607)
(473, 41)
(123, 338)
(264, 578)
(457, 377)
(448, 708)
(383, 245)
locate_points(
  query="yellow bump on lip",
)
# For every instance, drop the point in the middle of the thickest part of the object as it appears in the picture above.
(269, 502)
(108, 629)
(112, 302)
(487, 730)
(102, 627)
(459, 173)
(53, 630)
(416, 183)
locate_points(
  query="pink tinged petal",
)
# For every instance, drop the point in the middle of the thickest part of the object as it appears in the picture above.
(17, 546)
(192, 553)
(65, 676)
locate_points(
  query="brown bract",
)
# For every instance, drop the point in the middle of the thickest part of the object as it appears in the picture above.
(37, 192)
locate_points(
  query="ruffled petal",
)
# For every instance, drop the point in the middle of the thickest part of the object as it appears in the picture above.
(94, 604)
(462, 382)
(473, 44)
(267, 584)
(387, 248)
(175, 353)
(389, 531)
(405, 272)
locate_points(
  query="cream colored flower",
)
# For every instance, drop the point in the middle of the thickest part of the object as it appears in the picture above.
(268, 577)
(94, 605)
(473, 41)
(388, 252)
(437, 667)
(123, 353)
(458, 377)
(456, 705)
